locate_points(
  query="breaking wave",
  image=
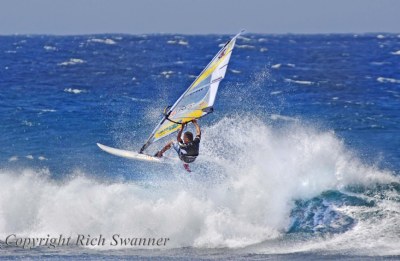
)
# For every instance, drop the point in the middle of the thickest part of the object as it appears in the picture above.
(253, 184)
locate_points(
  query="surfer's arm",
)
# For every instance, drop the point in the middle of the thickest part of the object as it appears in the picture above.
(179, 137)
(198, 131)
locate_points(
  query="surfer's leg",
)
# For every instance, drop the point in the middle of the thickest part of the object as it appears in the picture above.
(166, 147)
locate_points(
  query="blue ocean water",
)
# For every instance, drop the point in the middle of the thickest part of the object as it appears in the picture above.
(300, 159)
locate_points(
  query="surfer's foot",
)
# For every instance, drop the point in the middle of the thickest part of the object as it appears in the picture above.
(158, 154)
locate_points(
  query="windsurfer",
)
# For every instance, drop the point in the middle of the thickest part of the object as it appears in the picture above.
(187, 148)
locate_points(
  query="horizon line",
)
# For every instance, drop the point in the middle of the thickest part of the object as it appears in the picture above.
(201, 34)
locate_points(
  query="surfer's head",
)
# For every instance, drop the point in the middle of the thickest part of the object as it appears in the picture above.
(187, 137)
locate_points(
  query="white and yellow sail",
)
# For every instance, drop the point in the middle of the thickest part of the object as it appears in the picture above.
(198, 100)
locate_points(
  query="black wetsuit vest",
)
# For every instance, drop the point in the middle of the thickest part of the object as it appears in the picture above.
(189, 151)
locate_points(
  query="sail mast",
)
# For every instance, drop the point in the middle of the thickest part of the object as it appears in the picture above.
(199, 97)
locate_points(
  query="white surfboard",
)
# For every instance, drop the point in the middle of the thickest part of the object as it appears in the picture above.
(140, 156)
(132, 154)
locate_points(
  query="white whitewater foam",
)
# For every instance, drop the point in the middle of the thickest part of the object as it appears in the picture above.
(245, 39)
(396, 53)
(245, 198)
(103, 41)
(137, 99)
(380, 63)
(275, 92)
(74, 91)
(278, 65)
(183, 42)
(387, 80)
(167, 74)
(282, 117)
(48, 110)
(72, 61)
(13, 158)
(27, 123)
(299, 82)
(179, 42)
(245, 46)
(49, 48)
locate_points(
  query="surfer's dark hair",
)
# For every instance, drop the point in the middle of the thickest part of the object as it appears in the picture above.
(189, 135)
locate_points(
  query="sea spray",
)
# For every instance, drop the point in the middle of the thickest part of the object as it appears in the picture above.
(260, 171)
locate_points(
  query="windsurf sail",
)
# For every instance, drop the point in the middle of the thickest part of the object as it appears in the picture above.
(198, 100)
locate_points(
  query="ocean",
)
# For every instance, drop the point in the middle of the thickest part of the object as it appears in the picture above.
(298, 161)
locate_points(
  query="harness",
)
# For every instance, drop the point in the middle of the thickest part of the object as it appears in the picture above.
(187, 158)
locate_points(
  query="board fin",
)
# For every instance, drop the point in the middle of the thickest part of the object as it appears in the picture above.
(186, 167)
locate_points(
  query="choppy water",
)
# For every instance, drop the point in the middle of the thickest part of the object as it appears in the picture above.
(300, 159)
